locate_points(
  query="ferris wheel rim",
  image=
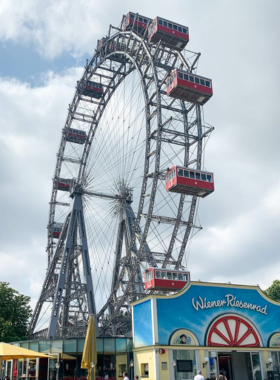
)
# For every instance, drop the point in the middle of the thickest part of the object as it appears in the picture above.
(83, 164)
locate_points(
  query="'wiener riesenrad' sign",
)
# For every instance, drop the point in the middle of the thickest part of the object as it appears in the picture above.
(228, 301)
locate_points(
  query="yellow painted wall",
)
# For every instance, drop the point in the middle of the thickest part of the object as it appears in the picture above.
(141, 358)
(164, 374)
(121, 360)
(202, 355)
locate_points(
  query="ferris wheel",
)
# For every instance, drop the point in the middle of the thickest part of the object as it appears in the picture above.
(134, 130)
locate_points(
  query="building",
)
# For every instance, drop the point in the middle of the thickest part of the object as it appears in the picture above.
(207, 326)
(113, 357)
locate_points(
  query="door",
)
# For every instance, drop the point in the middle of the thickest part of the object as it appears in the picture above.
(256, 366)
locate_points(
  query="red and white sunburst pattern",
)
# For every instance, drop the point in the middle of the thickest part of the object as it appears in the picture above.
(233, 331)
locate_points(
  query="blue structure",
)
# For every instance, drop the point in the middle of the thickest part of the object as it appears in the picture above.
(210, 327)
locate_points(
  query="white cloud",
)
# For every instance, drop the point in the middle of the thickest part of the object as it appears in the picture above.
(272, 203)
(32, 119)
(240, 240)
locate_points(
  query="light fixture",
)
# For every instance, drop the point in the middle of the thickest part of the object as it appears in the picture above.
(57, 365)
(270, 360)
(131, 368)
(92, 364)
(174, 363)
(206, 360)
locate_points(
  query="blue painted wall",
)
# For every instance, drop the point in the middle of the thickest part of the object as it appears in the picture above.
(198, 305)
(142, 324)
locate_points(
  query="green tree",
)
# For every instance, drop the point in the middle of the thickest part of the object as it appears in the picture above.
(15, 312)
(273, 291)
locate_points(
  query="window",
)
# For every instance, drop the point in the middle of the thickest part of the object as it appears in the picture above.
(145, 21)
(191, 78)
(144, 370)
(132, 16)
(175, 27)
(209, 178)
(163, 275)
(186, 174)
(185, 30)
(140, 19)
(180, 277)
(180, 172)
(186, 277)
(196, 80)
(192, 175)
(179, 29)
(202, 81)
(180, 75)
(165, 24)
(157, 274)
(186, 77)
(203, 177)
(169, 25)
(175, 276)
(197, 176)
(160, 22)
(169, 275)
(207, 83)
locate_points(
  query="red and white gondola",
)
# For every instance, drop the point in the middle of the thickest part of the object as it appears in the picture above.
(56, 231)
(75, 136)
(189, 87)
(165, 279)
(90, 88)
(189, 181)
(101, 43)
(132, 19)
(63, 184)
(168, 32)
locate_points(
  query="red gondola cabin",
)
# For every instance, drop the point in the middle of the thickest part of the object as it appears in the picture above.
(165, 279)
(189, 87)
(189, 181)
(90, 88)
(140, 22)
(63, 184)
(57, 228)
(171, 34)
(75, 135)
(101, 42)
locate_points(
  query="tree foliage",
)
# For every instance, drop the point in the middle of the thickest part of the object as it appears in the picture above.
(15, 312)
(273, 291)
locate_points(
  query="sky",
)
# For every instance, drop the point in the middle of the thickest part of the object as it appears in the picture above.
(43, 50)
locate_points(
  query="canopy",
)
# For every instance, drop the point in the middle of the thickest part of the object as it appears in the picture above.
(90, 353)
(8, 352)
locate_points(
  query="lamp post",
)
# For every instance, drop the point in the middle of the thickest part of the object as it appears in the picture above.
(174, 366)
(92, 364)
(28, 369)
(131, 368)
(3, 371)
(57, 366)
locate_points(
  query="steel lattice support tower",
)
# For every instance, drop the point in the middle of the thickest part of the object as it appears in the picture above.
(72, 300)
